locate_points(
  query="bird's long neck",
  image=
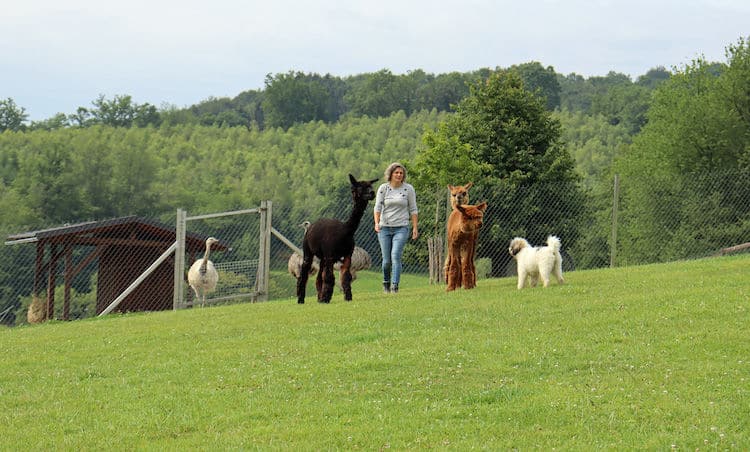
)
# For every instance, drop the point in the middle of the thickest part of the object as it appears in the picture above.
(204, 264)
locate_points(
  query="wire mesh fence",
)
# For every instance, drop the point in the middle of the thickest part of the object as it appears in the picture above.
(236, 262)
(613, 225)
(127, 264)
(72, 272)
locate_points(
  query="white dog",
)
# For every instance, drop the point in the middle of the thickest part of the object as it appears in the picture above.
(535, 262)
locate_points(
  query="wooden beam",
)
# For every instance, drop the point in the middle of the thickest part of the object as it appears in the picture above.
(39, 266)
(51, 282)
(68, 279)
(87, 260)
(734, 249)
(98, 241)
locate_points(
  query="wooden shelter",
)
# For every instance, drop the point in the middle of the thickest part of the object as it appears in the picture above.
(123, 248)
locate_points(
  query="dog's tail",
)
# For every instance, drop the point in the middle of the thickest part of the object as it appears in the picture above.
(554, 243)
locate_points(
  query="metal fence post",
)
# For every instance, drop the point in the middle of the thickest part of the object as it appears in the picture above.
(264, 245)
(179, 260)
(267, 252)
(146, 273)
(615, 207)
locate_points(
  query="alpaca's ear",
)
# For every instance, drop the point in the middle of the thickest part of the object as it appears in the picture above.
(482, 206)
(450, 187)
(468, 186)
(373, 181)
(352, 179)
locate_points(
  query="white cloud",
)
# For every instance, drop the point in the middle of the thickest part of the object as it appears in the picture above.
(61, 55)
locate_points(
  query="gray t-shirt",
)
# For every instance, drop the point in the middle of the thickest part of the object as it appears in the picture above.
(396, 205)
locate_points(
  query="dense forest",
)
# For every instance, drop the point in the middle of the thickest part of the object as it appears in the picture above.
(508, 129)
(118, 157)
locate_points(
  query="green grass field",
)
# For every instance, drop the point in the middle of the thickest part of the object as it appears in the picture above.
(649, 357)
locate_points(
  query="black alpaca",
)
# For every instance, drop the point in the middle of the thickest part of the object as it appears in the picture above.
(333, 241)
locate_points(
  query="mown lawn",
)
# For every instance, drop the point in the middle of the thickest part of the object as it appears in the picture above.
(649, 357)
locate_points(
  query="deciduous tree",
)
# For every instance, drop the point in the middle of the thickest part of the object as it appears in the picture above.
(509, 146)
(691, 162)
(12, 117)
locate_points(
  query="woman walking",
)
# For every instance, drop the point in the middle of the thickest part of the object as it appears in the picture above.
(395, 207)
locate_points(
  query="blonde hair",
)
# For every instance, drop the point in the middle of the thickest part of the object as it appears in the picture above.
(391, 168)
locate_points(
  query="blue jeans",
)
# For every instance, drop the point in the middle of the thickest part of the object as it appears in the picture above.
(392, 241)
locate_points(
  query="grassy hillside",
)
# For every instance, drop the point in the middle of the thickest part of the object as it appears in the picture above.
(648, 357)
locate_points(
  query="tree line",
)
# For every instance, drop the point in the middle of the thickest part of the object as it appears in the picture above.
(295, 97)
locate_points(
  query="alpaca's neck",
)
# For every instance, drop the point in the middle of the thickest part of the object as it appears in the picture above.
(357, 211)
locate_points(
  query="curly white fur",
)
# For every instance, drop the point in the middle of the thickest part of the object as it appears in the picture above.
(295, 263)
(360, 261)
(537, 262)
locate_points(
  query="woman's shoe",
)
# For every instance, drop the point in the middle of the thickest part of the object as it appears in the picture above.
(394, 288)
(386, 287)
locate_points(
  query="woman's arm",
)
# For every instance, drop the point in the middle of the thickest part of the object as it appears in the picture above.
(376, 210)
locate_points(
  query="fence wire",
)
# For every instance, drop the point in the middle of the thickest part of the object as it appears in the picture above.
(645, 222)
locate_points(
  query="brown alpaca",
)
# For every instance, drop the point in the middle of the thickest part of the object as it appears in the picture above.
(332, 241)
(464, 223)
(459, 194)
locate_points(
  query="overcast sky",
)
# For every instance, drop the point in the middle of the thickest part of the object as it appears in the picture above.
(58, 55)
